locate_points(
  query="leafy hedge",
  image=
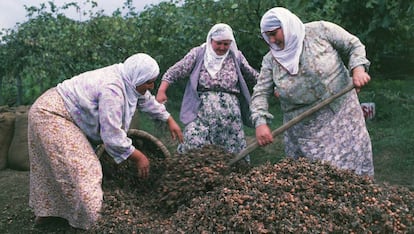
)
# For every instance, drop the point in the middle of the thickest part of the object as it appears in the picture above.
(49, 47)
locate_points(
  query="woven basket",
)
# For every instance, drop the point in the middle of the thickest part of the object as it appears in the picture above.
(140, 139)
(125, 173)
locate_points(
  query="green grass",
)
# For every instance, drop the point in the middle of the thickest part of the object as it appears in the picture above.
(391, 131)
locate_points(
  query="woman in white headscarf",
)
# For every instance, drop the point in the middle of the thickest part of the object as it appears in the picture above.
(303, 67)
(215, 102)
(68, 121)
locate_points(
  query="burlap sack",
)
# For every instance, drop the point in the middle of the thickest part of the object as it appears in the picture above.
(18, 155)
(6, 135)
(4, 109)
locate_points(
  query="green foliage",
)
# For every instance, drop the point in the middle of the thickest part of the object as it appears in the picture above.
(386, 27)
(49, 47)
(392, 130)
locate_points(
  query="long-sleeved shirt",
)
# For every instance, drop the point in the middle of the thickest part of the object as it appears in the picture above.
(322, 72)
(95, 101)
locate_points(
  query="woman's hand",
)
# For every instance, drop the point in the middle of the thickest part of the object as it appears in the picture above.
(161, 97)
(141, 162)
(162, 92)
(175, 130)
(264, 135)
(360, 77)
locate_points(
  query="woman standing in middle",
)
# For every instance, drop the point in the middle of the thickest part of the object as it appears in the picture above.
(216, 99)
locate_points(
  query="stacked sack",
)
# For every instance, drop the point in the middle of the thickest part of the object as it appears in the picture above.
(13, 138)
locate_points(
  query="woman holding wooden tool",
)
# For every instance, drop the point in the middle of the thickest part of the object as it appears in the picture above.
(303, 67)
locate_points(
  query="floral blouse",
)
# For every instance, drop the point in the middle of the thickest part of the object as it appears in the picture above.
(225, 80)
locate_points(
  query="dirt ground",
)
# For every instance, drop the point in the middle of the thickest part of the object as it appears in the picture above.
(16, 216)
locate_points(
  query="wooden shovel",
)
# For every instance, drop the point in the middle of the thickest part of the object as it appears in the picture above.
(252, 146)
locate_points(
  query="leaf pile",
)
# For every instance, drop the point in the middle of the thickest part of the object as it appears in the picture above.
(125, 174)
(299, 196)
(198, 193)
(193, 174)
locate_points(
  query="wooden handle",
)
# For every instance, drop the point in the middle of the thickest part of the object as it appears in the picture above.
(252, 146)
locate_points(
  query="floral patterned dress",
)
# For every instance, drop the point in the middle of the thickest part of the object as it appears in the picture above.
(65, 173)
(337, 133)
(219, 120)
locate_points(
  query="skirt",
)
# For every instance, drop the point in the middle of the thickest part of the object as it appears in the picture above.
(338, 137)
(218, 122)
(65, 173)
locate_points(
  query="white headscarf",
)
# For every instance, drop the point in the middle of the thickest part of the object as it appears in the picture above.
(212, 61)
(135, 71)
(294, 32)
